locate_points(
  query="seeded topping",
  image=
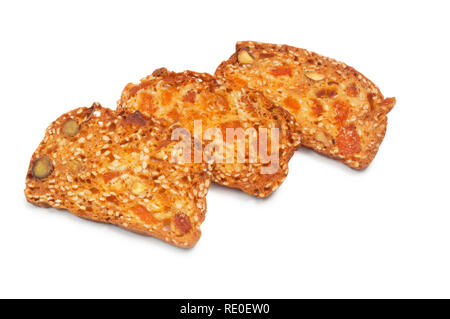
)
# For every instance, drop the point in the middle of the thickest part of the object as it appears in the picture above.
(74, 165)
(70, 128)
(42, 167)
(107, 174)
(183, 98)
(329, 99)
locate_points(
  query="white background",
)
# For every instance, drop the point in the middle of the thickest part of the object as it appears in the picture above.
(328, 231)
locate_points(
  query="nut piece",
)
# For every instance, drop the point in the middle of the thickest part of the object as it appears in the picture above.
(244, 57)
(75, 165)
(137, 188)
(320, 136)
(42, 167)
(70, 128)
(315, 76)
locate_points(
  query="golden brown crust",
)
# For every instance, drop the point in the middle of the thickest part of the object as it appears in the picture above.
(182, 98)
(340, 113)
(115, 170)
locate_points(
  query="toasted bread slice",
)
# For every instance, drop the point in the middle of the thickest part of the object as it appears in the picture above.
(340, 112)
(186, 97)
(114, 168)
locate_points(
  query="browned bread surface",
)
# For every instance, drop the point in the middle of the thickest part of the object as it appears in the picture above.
(340, 112)
(114, 168)
(182, 98)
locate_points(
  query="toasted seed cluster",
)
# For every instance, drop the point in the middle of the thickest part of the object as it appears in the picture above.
(112, 167)
(340, 113)
(183, 98)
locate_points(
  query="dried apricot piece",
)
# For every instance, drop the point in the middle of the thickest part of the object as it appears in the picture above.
(42, 167)
(190, 97)
(182, 223)
(108, 176)
(342, 109)
(144, 214)
(279, 71)
(291, 103)
(348, 140)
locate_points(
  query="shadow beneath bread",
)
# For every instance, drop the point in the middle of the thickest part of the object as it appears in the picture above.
(239, 195)
(103, 228)
(235, 193)
(315, 159)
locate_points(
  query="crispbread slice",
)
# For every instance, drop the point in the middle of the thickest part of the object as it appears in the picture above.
(340, 112)
(182, 98)
(115, 168)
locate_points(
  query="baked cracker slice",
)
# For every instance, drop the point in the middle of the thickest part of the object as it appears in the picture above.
(115, 168)
(340, 113)
(183, 98)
